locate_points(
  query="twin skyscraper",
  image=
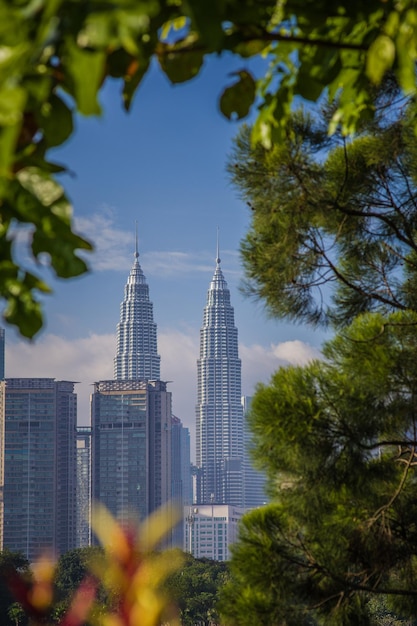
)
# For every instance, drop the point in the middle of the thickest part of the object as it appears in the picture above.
(219, 412)
(135, 457)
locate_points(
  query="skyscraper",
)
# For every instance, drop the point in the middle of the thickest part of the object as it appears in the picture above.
(83, 529)
(181, 492)
(254, 480)
(137, 355)
(2, 349)
(131, 423)
(219, 433)
(131, 416)
(38, 465)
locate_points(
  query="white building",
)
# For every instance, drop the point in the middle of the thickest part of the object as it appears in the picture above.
(210, 530)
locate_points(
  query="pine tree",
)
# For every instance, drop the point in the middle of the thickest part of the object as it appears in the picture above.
(333, 228)
(338, 440)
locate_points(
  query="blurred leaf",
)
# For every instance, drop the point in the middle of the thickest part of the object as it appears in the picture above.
(12, 102)
(41, 185)
(251, 48)
(181, 65)
(56, 121)
(87, 71)
(237, 99)
(132, 568)
(380, 58)
(22, 308)
(308, 87)
(208, 18)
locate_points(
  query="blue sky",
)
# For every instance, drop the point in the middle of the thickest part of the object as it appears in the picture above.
(163, 164)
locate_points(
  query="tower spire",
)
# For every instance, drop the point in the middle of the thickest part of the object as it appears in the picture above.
(136, 239)
(217, 249)
(137, 355)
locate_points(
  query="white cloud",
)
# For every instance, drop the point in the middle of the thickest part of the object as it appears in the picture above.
(167, 263)
(112, 243)
(260, 362)
(89, 359)
(84, 360)
(295, 352)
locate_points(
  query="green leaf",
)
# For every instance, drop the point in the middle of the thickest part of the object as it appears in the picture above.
(87, 71)
(180, 62)
(8, 138)
(132, 69)
(251, 48)
(380, 58)
(23, 309)
(308, 87)
(41, 200)
(41, 185)
(132, 80)
(12, 103)
(55, 118)
(208, 18)
(237, 99)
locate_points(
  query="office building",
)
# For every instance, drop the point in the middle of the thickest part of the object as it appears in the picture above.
(181, 463)
(219, 427)
(181, 493)
(137, 355)
(131, 422)
(254, 480)
(2, 351)
(211, 529)
(38, 418)
(83, 527)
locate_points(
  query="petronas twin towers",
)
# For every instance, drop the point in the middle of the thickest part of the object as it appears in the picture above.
(137, 353)
(219, 410)
(219, 413)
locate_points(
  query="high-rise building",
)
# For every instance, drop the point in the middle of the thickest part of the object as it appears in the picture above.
(137, 355)
(38, 418)
(2, 350)
(181, 493)
(219, 433)
(131, 415)
(83, 528)
(131, 422)
(210, 530)
(254, 480)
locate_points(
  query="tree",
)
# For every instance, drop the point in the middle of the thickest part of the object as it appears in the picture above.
(72, 569)
(57, 54)
(195, 587)
(10, 611)
(337, 439)
(333, 229)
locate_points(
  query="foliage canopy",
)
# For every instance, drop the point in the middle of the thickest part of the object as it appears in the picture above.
(338, 441)
(196, 587)
(56, 56)
(333, 229)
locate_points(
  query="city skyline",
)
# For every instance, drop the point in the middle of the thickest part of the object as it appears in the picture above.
(163, 165)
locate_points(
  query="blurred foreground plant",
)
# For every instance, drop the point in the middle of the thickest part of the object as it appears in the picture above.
(130, 569)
